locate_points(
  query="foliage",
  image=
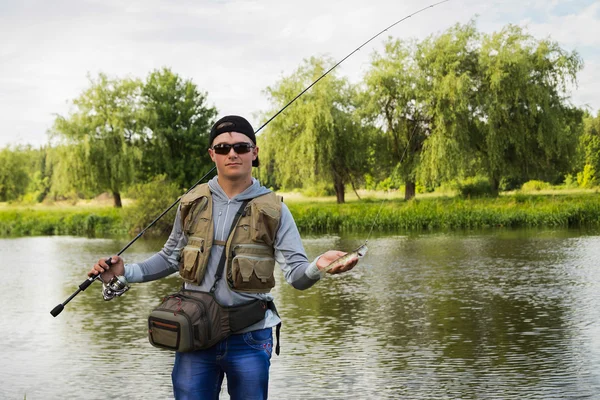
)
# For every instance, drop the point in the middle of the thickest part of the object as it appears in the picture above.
(177, 122)
(317, 140)
(392, 97)
(13, 174)
(98, 135)
(449, 76)
(474, 187)
(479, 104)
(527, 126)
(60, 221)
(450, 213)
(534, 185)
(151, 199)
(587, 178)
(589, 148)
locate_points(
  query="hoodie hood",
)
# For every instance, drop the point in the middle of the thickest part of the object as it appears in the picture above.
(253, 191)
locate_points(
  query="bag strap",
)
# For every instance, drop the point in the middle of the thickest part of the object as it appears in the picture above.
(272, 307)
(221, 266)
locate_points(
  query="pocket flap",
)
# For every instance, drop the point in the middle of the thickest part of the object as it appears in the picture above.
(246, 267)
(263, 269)
(189, 257)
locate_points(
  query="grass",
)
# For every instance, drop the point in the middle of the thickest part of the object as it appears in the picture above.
(324, 215)
(450, 213)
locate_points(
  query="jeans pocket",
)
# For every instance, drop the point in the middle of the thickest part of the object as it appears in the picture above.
(261, 339)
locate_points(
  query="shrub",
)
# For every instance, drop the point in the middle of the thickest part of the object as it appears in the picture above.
(474, 187)
(533, 185)
(318, 190)
(587, 178)
(151, 199)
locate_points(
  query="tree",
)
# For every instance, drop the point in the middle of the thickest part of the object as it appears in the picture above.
(527, 125)
(490, 104)
(448, 65)
(14, 177)
(395, 101)
(99, 134)
(317, 139)
(177, 123)
(590, 150)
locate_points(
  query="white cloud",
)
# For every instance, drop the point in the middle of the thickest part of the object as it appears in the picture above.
(232, 49)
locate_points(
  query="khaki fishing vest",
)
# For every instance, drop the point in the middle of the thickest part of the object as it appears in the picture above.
(250, 260)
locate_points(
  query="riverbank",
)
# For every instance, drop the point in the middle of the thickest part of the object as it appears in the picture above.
(323, 215)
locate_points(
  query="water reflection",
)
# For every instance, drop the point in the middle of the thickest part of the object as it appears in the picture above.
(508, 314)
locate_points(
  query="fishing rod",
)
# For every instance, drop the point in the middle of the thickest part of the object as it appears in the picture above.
(117, 286)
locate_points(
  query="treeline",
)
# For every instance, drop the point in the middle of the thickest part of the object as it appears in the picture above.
(455, 107)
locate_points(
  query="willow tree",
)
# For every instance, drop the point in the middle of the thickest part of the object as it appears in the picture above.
(97, 135)
(499, 105)
(527, 123)
(448, 86)
(392, 101)
(317, 139)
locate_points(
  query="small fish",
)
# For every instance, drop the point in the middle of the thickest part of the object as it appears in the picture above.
(358, 253)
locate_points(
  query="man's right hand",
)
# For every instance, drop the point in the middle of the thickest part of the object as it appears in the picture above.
(108, 272)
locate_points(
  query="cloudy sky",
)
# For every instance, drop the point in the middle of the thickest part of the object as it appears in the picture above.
(234, 49)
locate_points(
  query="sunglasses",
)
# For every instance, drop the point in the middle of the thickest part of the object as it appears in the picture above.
(240, 148)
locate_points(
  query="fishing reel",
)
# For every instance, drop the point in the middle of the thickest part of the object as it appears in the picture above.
(115, 287)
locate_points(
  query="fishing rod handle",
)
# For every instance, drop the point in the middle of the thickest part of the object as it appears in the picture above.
(84, 285)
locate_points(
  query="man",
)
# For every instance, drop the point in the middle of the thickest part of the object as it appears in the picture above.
(271, 235)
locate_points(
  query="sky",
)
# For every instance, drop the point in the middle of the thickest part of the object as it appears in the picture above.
(233, 50)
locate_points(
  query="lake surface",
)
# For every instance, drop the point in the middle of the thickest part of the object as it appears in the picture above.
(480, 315)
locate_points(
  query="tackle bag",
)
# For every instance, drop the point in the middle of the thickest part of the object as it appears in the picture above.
(189, 320)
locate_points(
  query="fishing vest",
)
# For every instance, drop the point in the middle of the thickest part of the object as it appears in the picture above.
(250, 253)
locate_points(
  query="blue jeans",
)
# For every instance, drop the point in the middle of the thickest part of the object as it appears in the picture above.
(245, 359)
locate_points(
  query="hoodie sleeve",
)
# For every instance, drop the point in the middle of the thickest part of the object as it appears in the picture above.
(163, 263)
(290, 254)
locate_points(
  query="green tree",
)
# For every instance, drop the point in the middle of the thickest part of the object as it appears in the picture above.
(317, 139)
(14, 177)
(447, 87)
(590, 150)
(98, 136)
(528, 128)
(177, 123)
(413, 90)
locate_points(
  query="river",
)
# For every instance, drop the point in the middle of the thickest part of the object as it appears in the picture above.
(499, 314)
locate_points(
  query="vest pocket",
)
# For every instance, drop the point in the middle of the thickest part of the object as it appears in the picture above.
(252, 269)
(264, 223)
(193, 260)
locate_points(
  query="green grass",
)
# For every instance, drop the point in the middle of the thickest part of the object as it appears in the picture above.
(450, 213)
(78, 221)
(325, 216)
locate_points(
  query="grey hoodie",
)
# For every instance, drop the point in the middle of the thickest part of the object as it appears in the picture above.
(289, 253)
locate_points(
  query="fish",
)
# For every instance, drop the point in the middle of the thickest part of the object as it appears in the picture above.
(357, 253)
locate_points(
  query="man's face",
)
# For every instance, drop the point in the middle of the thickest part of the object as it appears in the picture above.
(232, 165)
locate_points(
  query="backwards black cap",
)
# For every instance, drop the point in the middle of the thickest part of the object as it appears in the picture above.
(233, 123)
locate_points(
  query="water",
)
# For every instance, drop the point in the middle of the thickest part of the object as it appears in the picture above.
(488, 315)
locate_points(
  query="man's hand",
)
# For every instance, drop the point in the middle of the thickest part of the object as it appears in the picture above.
(108, 272)
(332, 255)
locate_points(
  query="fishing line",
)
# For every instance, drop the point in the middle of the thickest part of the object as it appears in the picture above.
(344, 59)
(59, 308)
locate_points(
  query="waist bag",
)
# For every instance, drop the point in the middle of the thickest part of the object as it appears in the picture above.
(191, 320)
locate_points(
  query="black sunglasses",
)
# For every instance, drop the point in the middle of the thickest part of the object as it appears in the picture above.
(240, 148)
